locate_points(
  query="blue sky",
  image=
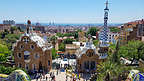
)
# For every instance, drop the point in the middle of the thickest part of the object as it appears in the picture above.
(71, 11)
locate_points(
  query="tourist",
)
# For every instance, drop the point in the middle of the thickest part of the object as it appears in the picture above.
(50, 74)
(46, 78)
(36, 78)
(79, 76)
(57, 72)
(66, 77)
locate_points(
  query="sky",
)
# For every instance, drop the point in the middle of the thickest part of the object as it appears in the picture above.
(71, 11)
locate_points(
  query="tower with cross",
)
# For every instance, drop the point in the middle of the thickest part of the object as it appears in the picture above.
(103, 35)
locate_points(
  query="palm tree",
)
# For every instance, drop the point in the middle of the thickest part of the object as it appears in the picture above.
(108, 71)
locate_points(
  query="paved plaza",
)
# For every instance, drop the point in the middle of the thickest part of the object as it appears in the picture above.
(60, 77)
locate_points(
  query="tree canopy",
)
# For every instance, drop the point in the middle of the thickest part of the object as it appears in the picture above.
(112, 69)
(68, 41)
(62, 47)
(92, 31)
(134, 50)
(4, 52)
(54, 53)
(95, 42)
(114, 29)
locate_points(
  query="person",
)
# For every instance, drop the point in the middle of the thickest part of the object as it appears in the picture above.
(74, 79)
(36, 78)
(79, 76)
(46, 78)
(53, 78)
(40, 78)
(57, 71)
(66, 77)
(50, 74)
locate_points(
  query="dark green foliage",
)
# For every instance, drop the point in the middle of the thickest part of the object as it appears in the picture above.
(6, 42)
(11, 39)
(62, 47)
(95, 42)
(68, 41)
(3, 34)
(112, 69)
(60, 35)
(134, 50)
(115, 54)
(54, 53)
(114, 29)
(8, 70)
(12, 29)
(20, 29)
(53, 38)
(75, 34)
(92, 31)
(4, 52)
(112, 46)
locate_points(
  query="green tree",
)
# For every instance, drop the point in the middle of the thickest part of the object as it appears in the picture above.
(10, 39)
(60, 35)
(68, 41)
(115, 54)
(54, 53)
(95, 42)
(114, 29)
(12, 29)
(20, 29)
(92, 31)
(3, 34)
(4, 52)
(62, 47)
(53, 39)
(131, 50)
(8, 70)
(108, 71)
(111, 71)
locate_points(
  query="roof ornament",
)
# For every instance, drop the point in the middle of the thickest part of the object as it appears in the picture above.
(28, 22)
(29, 27)
(89, 37)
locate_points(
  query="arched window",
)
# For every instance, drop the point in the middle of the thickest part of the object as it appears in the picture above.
(34, 67)
(26, 66)
(19, 55)
(21, 46)
(19, 65)
(92, 65)
(86, 65)
(32, 47)
(48, 62)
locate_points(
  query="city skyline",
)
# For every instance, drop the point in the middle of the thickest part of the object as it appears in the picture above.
(72, 11)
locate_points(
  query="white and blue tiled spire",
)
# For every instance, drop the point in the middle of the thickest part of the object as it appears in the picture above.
(103, 36)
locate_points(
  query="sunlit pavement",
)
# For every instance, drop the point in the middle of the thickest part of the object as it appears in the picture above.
(60, 77)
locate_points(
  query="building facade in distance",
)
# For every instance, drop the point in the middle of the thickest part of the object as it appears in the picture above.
(9, 22)
(32, 52)
(88, 58)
